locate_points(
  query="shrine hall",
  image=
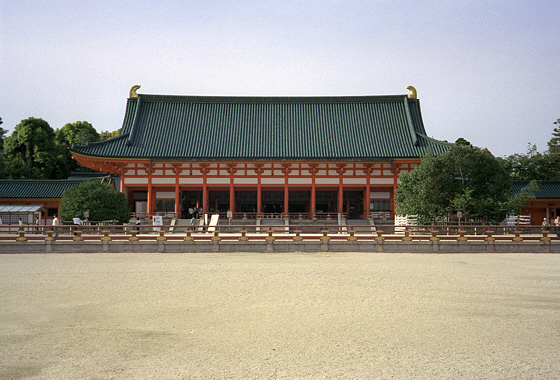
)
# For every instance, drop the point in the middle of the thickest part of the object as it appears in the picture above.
(264, 156)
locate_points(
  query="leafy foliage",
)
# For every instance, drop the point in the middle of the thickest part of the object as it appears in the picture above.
(106, 135)
(101, 200)
(521, 199)
(534, 165)
(32, 144)
(79, 132)
(465, 178)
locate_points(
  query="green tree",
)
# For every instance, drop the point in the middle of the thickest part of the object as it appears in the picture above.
(521, 199)
(554, 142)
(106, 135)
(2, 134)
(534, 165)
(442, 184)
(424, 191)
(32, 143)
(101, 200)
(78, 132)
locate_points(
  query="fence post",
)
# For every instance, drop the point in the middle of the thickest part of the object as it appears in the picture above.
(379, 237)
(489, 236)
(545, 233)
(21, 235)
(297, 237)
(106, 236)
(133, 237)
(188, 237)
(406, 236)
(517, 234)
(78, 234)
(270, 237)
(352, 237)
(325, 240)
(434, 233)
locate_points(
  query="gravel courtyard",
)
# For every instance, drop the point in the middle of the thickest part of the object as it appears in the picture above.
(254, 315)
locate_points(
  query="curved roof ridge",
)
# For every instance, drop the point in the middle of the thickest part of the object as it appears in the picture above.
(273, 99)
(447, 143)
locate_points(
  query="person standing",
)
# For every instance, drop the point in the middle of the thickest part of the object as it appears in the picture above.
(77, 221)
(55, 223)
(557, 224)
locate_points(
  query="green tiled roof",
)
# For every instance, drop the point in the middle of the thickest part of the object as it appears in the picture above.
(35, 188)
(547, 189)
(257, 128)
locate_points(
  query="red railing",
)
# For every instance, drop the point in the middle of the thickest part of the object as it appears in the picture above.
(307, 232)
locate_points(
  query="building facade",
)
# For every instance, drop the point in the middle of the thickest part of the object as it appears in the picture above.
(264, 156)
(545, 204)
(27, 199)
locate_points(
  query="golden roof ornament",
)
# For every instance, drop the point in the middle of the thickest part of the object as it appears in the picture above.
(413, 94)
(132, 93)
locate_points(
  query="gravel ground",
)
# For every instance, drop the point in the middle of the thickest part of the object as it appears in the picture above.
(254, 315)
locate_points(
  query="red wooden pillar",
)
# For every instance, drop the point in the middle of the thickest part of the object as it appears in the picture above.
(286, 171)
(231, 197)
(286, 197)
(367, 193)
(204, 196)
(258, 170)
(151, 194)
(312, 209)
(259, 196)
(340, 201)
(313, 170)
(395, 171)
(232, 171)
(177, 194)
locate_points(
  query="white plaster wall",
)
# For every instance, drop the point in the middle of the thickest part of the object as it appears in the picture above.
(354, 181)
(217, 181)
(163, 181)
(381, 181)
(299, 181)
(272, 181)
(190, 180)
(136, 181)
(245, 181)
(326, 181)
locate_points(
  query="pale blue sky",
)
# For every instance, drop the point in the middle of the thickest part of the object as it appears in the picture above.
(488, 71)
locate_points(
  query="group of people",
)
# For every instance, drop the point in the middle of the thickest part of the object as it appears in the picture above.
(195, 212)
(556, 223)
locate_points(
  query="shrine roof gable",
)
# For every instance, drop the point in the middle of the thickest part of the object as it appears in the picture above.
(240, 128)
(547, 189)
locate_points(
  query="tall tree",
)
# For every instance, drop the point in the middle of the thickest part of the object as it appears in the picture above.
(78, 132)
(33, 141)
(106, 135)
(465, 178)
(32, 144)
(2, 134)
(535, 165)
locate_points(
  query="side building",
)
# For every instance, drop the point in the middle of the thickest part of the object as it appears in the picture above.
(304, 157)
(545, 205)
(27, 199)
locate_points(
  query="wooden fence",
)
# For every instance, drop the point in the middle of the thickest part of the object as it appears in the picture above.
(296, 233)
